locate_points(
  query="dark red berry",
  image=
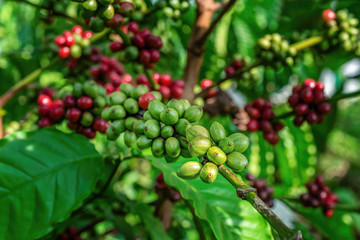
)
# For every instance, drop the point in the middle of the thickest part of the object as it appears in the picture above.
(267, 114)
(60, 41)
(56, 113)
(306, 95)
(253, 125)
(301, 109)
(85, 102)
(133, 27)
(178, 83)
(138, 41)
(144, 57)
(145, 99)
(312, 117)
(238, 64)
(310, 83)
(73, 114)
(45, 122)
(165, 79)
(293, 100)
(116, 46)
(265, 126)
(176, 92)
(254, 112)
(230, 70)
(298, 120)
(88, 34)
(259, 103)
(89, 133)
(324, 108)
(165, 91)
(278, 126)
(154, 55)
(44, 111)
(57, 103)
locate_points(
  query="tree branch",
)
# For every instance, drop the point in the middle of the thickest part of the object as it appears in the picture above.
(51, 11)
(248, 194)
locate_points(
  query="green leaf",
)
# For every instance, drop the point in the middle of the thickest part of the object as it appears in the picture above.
(228, 216)
(44, 176)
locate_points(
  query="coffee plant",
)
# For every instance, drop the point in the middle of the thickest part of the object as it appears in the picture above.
(176, 119)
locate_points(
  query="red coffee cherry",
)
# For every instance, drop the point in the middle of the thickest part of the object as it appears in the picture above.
(145, 99)
(44, 100)
(73, 114)
(64, 52)
(84, 102)
(328, 15)
(165, 79)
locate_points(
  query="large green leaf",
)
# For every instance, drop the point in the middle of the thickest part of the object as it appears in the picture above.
(228, 216)
(44, 176)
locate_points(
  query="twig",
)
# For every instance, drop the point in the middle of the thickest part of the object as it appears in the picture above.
(344, 96)
(100, 35)
(1, 128)
(51, 11)
(197, 222)
(25, 81)
(307, 43)
(284, 232)
(227, 7)
(153, 84)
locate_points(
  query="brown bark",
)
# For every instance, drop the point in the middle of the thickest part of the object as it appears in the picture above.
(196, 47)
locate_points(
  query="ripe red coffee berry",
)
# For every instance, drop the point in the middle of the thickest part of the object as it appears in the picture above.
(178, 83)
(324, 108)
(298, 120)
(165, 79)
(133, 27)
(85, 102)
(254, 112)
(64, 52)
(265, 126)
(88, 34)
(126, 78)
(230, 70)
(44, 100)
(145, 99)
(138, 41)
(44, 111)
(259, 103)
(156, 77)
(60, 41)
(306, 95)
(165, 91)
(77, 29)
(238, 64)
(56, 113)
(328, 15)
(89, 133)
(45, 122)
(301, 109)
(176, 92)
(144, 57)
(141, 79)
(312, 117)
(155, 55)
(267, 114)
(310, 83)
(58, 103)
(73, 114)
(205, 83)
(116, 46)
(253, 125)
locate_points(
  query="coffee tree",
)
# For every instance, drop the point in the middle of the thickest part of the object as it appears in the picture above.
(179, 119)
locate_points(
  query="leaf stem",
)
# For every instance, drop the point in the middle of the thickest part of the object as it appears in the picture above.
(309, 42)
(153, 84)
(344, 96)
(197, 222)
(284, 232)
(100, 35)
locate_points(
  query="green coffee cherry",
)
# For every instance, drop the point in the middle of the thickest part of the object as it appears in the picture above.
(182, 126)
(186, 104)
(110, 134)
(144, 142)
(97, 24)
(100, 102)
(241, 142)
(139, 90)
(117, 112)
(171, 159)
(90, 5)
(189, 170)
(209, 172)
(237, 161)
(183, 142)
(195, 131)
(198, 146)
(157, 95)
(130, 122)
(156, 108)
(217, 131)
(177, 105)
(77, 90)
(227, 145)
(126, 88)
(117, 98)
(106, 114)
(86, 119)
(167, 132)
(147, 115)
(216, 155)
(152, 128)
(158, 147)
(169, 116)
(172, 147)
(185, 153)
(130, 138)
(118, 126)
(107, 12)
(75, 51)
(131, 105)
(193, 114)
(139, 127)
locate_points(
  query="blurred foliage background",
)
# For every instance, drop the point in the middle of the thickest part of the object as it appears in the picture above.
(330, 149)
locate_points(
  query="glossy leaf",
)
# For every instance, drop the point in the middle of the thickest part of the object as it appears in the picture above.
(44, 176)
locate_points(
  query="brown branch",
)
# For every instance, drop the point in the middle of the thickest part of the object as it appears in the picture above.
(1, 128)
(247, 193)
(196, 46)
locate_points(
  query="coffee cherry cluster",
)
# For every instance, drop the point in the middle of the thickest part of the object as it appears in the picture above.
(213, 149)
(169, 88)
(144, 47)
(264, 192)
(70, 233)
(262, 118)
(51, 111)
(319, 195)
(142, 120)
(174, 8)
(84, 107)
(343, 30)
(71, 43)
(233, 67)
(165, 191)
(275, 51)
(309, 103)
(107, 71)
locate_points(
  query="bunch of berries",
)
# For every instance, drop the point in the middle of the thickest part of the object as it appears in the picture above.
(319, 195)
(214, 148)
(169, 88)
(174, 8)
(70, 233)
(50, 111)
(107, 71)
(343, 30)
(263, 191)
(309, 103)
(131, 28)
(262, 118)
(234, 66)
(71, 43)
(275, 51)
(84, 107)
(165, 191)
